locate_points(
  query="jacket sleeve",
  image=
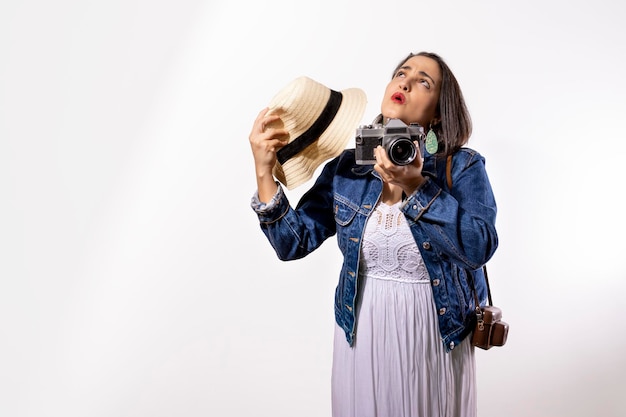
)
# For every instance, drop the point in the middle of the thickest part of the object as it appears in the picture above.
(460, 222)
(294, 233)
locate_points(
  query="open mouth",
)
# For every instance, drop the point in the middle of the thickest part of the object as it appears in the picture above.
(398, 98)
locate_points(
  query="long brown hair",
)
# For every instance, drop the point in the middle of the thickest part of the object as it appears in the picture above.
(454, 126)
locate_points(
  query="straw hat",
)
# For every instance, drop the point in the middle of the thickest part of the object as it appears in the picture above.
(320, 122)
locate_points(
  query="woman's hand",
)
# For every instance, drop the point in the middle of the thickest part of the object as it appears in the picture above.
(266, 138)
(408, 177)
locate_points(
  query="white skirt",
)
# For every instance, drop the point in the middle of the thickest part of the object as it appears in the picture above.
(398, 366)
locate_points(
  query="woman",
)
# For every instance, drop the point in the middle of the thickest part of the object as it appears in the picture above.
(412, 244)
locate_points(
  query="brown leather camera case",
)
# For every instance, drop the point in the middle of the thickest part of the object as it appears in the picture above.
(491, 330)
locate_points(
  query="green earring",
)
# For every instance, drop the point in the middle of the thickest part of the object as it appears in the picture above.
(431, 144)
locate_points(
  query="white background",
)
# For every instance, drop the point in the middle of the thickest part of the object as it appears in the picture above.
(134, 278)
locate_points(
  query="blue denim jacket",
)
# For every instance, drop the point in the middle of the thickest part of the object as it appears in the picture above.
(454, 230)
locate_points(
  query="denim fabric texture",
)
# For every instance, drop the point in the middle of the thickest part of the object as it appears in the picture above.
(454, 230)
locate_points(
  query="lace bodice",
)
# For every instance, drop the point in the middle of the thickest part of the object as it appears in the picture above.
(389, 250)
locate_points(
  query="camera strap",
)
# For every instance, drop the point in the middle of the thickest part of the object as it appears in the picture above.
(449, 171)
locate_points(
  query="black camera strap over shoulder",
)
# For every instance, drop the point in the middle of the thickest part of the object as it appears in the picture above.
(449, 171)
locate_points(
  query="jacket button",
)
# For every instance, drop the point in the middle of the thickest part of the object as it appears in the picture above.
(451, 345)
(426, 245)
(436, 282)
(442, 311)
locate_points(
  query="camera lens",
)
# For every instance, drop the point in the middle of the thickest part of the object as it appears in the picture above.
(401, 151)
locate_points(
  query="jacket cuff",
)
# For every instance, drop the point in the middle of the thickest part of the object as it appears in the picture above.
(271, 210)
(417, 203)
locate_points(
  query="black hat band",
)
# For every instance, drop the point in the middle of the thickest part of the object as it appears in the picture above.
(314, 132)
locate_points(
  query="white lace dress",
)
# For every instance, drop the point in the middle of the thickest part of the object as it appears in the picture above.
(398, 366)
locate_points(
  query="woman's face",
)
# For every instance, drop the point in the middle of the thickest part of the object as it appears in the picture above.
(413, 93)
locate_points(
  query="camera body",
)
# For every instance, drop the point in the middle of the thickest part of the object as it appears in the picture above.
(396, 137)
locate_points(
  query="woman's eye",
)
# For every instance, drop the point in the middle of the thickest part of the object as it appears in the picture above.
(425, 83)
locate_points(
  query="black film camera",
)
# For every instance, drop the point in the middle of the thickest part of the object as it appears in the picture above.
(396, 137)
